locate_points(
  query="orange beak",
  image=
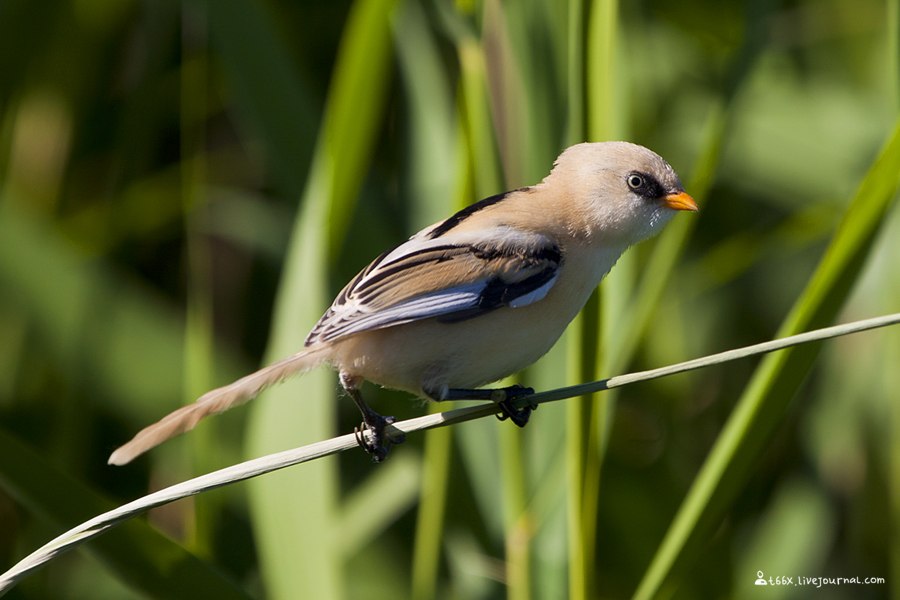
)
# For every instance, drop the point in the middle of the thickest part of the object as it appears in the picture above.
(680, 201)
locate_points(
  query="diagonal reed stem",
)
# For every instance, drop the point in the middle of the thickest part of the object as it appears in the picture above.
(273, 462)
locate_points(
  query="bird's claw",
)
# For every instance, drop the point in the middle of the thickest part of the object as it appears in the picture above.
(378, 442)
(505, 398)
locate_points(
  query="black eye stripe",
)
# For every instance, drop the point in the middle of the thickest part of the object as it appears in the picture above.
(644, 185)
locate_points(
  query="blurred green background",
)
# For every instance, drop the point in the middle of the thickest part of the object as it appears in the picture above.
(184, 187)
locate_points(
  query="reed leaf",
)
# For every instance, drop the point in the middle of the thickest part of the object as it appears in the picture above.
(286, 517)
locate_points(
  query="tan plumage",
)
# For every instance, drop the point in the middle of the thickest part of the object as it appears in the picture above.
(478, 296)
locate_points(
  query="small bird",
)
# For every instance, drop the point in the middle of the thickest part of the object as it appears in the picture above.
(474, 298)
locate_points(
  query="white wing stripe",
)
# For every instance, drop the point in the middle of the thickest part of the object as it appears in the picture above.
(427, 305)
(534, 295)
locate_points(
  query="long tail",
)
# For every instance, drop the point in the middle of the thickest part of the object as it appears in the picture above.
(214, 402)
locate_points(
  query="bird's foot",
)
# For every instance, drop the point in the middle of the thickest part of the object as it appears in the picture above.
(505, 399)
(373, 437)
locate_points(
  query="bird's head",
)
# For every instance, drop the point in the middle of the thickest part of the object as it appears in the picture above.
(621, 193)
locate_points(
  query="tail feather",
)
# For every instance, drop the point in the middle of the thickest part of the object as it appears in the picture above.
(212, 403)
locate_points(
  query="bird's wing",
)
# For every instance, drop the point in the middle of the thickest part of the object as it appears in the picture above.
(452, 278)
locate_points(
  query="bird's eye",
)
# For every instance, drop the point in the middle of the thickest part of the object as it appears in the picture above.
(635, 181)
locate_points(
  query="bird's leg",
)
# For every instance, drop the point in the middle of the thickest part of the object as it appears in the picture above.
(378, 442)
(504, 398)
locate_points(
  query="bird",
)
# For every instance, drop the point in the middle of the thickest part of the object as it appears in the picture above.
(474, 298)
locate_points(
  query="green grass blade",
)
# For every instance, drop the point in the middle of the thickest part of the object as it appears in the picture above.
(576, 123)
(292, 508)
(430, 518)
(296, 514)
(592, 40)
(603, 119)
(509, 104)
(765, 399)
(478, 441)
(356, 102)
(484, 164)
(517, 520)
(433, 172)
(528, 72)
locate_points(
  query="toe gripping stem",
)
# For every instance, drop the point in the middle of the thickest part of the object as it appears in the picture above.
(378, 441)
(505, 398)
